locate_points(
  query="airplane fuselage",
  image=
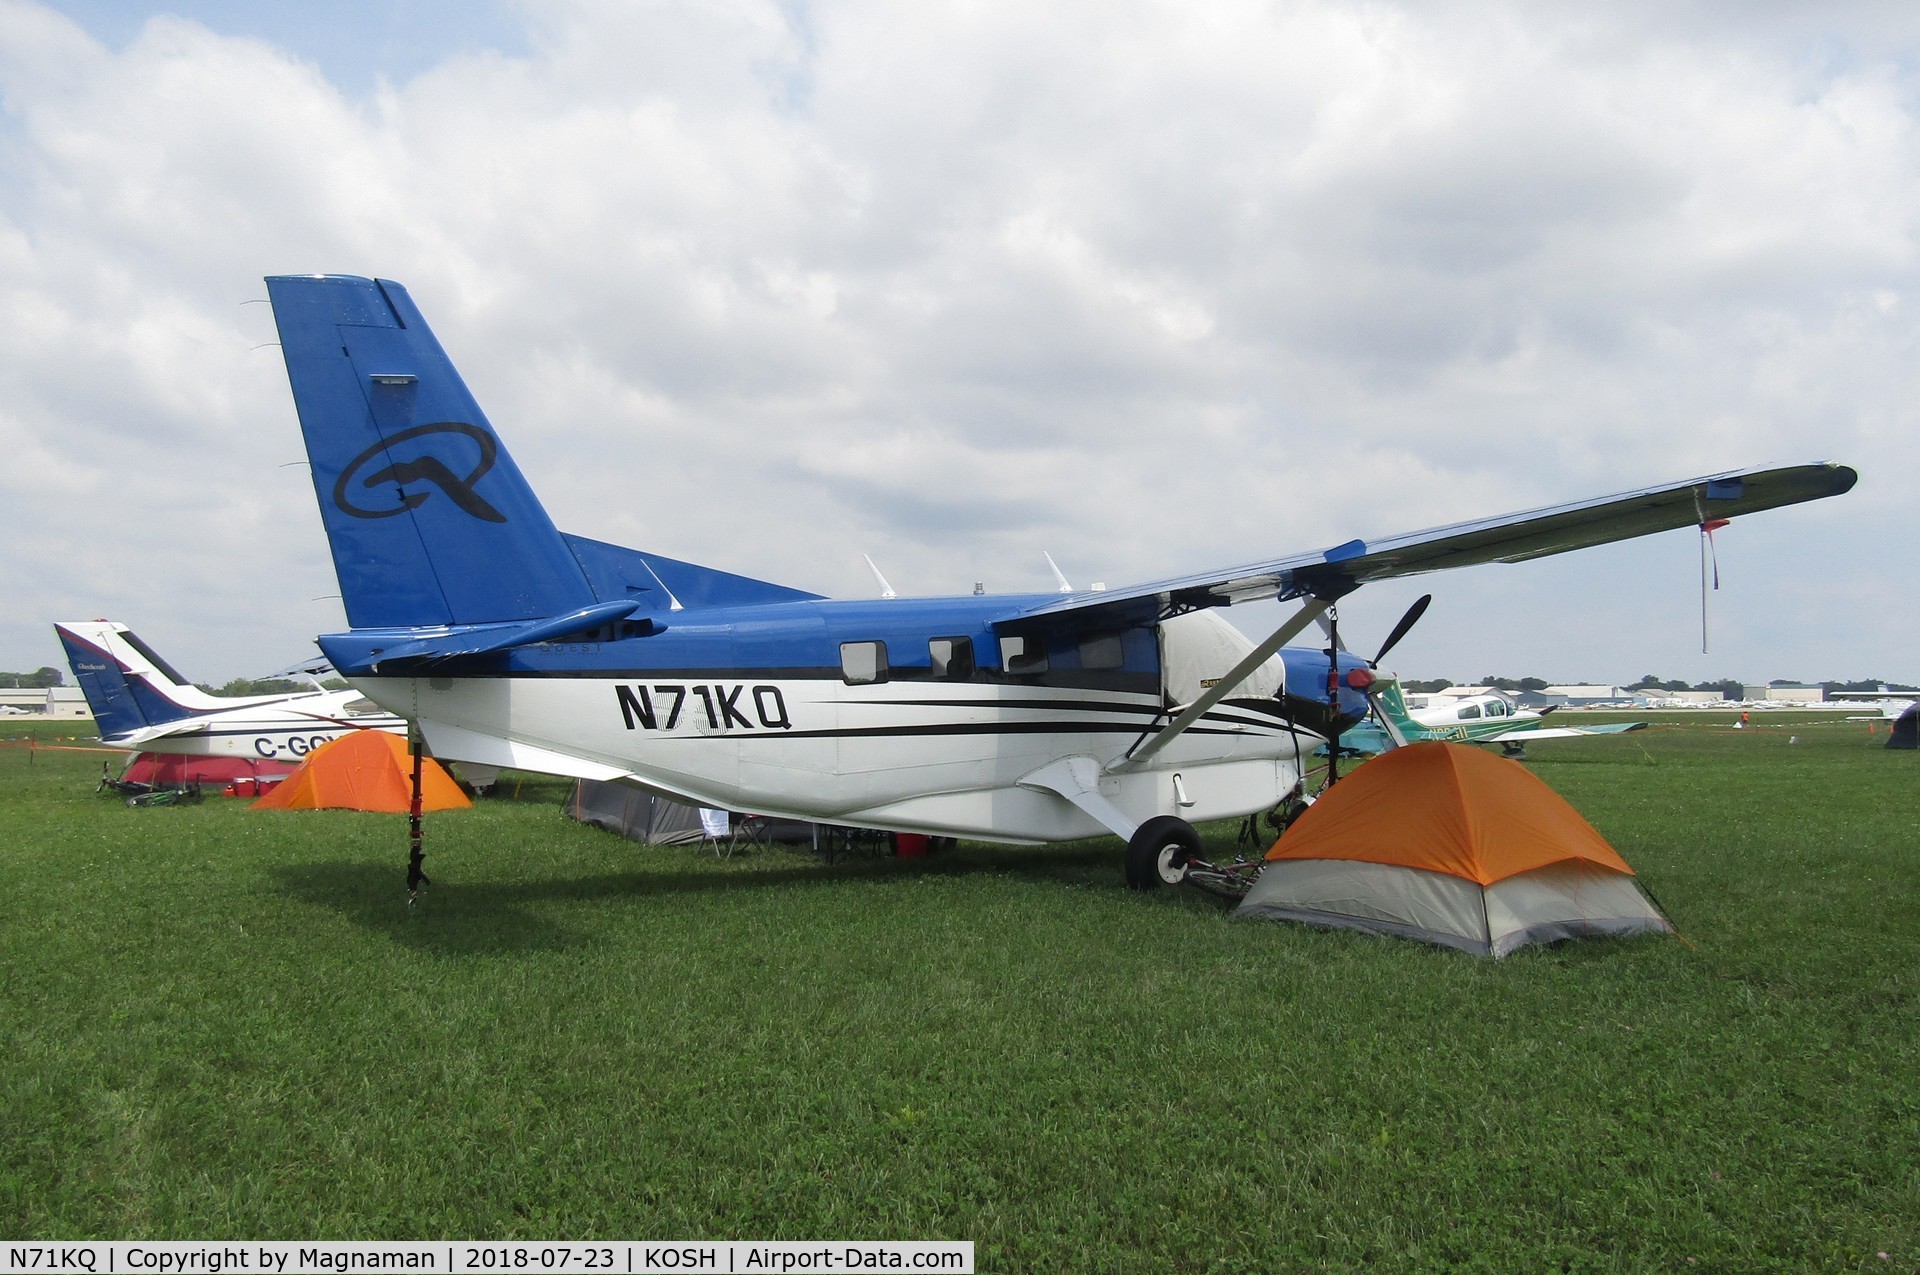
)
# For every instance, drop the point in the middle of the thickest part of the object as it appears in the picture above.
(923, 716)
(1478, 717)
(262, 733)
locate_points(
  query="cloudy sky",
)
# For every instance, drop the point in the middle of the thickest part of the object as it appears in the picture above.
(1148, 286)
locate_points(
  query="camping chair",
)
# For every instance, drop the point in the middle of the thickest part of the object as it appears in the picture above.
(835, 842)
(751, 829)
(716, 831)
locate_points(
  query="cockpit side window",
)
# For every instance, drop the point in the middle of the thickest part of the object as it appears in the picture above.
(1102, 649)
(1023, 654)
(1469, 712)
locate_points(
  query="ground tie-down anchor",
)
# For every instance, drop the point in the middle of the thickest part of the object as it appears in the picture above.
(416, 879)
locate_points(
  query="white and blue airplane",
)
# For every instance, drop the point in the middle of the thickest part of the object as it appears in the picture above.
(140, 703)
(1027, 718)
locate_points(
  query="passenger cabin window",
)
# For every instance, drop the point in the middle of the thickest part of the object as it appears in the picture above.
(1102, 649)
(1470, 712)
(361, 707)
(951, 658)
(863, 663)
(1024, 655)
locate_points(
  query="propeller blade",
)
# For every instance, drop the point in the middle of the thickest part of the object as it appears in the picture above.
(1407, 621)
(1327, 631)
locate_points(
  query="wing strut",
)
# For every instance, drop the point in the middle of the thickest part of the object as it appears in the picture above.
(1193, 712)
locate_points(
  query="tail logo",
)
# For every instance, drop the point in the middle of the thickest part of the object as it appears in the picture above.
(424, 468)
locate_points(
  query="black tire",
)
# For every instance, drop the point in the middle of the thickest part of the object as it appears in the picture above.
(1281, 817)
(1159, 852)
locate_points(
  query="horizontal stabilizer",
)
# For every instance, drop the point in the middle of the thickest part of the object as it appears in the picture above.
(361, 651)
(137, 739)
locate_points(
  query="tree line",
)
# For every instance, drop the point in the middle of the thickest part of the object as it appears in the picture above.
(269, 686)
(1726, 686)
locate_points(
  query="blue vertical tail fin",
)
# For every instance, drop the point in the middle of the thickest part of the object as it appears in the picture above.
(429, 520)
(129, 688)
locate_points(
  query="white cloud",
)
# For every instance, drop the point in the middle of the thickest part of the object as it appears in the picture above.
(770, 285)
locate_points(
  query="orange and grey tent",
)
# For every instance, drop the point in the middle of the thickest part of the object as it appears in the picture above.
(1450, 845)
(364, 770)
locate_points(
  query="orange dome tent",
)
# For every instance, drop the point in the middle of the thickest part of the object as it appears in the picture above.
(364, 770)
(1451, 845)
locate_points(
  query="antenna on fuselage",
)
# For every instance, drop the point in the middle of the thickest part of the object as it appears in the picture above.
(1058, 575)
(673, 603)
(886, 590)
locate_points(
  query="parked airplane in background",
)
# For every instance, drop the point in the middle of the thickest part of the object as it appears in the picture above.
(1886, 705)
(140, 703)
(1023, 718)
(1469, 719)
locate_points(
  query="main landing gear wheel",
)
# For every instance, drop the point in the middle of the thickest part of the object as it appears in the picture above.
(1160, 851)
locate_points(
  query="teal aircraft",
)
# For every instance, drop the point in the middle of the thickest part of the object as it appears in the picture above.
(1471, 719)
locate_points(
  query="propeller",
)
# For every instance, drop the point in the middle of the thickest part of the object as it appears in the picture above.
(1359, 679)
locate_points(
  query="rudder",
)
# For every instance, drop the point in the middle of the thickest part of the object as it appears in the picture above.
(429, 520)
(119, 699)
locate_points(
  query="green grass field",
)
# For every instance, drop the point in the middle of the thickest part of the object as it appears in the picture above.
(223, 1023)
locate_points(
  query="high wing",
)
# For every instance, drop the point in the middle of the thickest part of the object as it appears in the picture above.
(1517, 537)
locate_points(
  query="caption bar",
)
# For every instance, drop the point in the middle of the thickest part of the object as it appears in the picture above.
(621, 1257)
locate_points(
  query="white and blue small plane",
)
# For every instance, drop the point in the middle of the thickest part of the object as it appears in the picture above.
(140, 703)
(1026, 718)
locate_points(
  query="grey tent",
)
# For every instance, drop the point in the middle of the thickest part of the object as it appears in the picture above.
(635, 812)
(1906, 729)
